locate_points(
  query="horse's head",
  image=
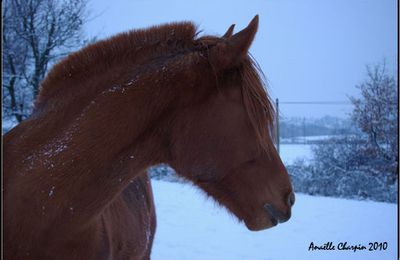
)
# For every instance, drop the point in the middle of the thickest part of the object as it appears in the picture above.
(223, 142)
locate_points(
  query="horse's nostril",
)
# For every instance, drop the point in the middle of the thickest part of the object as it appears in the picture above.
(275, 215)
(291, 199)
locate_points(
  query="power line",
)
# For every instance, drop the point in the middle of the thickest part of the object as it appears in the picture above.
(323, 103)
(316, 102)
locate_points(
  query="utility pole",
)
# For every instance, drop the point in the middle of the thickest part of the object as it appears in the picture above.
(304, 130)
(277, 124)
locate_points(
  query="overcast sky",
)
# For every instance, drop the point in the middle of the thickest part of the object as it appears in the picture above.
(309, 50)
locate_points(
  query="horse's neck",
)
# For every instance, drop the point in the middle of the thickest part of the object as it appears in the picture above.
(84, 165)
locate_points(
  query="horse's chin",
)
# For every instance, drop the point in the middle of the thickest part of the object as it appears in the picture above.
(260, 223)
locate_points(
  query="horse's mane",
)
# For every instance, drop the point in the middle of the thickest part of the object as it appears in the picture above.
(130, 46)
(166, 39)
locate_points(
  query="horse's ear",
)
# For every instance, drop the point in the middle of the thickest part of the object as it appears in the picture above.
(231, 51)
(229, 32)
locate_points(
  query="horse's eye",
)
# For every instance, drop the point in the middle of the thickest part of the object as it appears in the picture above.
(252, 161)
(206, 181)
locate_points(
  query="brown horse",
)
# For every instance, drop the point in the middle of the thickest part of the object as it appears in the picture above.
(75, 183)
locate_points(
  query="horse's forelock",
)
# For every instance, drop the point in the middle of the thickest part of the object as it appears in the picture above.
(258, 104)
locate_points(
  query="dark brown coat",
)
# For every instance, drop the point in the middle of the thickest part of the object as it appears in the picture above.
(75, 184)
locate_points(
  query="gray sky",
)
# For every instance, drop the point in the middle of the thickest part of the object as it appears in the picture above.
(309, 50)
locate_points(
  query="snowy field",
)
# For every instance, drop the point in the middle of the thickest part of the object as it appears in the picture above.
(292, 152)
(190, 226)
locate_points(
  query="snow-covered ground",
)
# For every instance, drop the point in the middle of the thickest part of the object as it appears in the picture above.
(305, 139)
(292, 152)
(190, 226)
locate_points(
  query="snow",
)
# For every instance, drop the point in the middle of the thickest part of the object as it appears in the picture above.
(190, 226)
(291, 152)
(7, 124)
(305, 139)
(320, 137)
(51, 191)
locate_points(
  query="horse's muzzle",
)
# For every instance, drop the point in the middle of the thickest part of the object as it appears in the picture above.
(277, 216)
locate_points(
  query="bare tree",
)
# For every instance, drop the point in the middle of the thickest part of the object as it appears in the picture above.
(35, 34)
(15, 52)
(364, 163)
(375, 113)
